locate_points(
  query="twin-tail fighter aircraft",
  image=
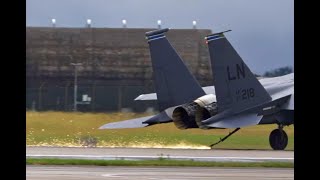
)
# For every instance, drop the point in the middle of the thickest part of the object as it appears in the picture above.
(237, 99)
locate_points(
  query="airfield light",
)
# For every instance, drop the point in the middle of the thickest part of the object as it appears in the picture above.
(194, 23)
(159, 24)
(53, 21)
(89, 22)
(124, 23)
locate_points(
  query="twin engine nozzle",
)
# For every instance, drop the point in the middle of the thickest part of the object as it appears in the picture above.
(191, 115)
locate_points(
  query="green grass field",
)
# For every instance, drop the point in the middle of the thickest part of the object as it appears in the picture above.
(67, 128)
(160, 162)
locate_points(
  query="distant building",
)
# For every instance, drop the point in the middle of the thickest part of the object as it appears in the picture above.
(116, 66)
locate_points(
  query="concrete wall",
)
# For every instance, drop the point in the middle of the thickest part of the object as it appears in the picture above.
(115, 60)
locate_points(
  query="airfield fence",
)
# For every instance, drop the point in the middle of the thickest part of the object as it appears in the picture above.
(102, 98)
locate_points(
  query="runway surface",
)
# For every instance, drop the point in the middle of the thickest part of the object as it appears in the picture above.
(154, 173)
(155, 153)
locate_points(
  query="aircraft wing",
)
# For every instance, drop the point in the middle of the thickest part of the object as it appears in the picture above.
(279, 86)
(237, 121)
(139, 122)
(289, 105)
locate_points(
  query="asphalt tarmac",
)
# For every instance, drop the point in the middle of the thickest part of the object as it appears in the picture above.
(154, 173)
(155, 153)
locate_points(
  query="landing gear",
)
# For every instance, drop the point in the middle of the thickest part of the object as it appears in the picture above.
(278, 139)
(221, 140)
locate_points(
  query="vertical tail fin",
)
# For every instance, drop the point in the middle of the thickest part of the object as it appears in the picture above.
(236, 87)
(174, 83)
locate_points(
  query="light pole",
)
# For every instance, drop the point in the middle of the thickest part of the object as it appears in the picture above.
(75, 85)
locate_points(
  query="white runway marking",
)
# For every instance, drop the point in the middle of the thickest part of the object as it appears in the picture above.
(110, 175)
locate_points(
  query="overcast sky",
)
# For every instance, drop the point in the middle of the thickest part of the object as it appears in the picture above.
(262, 30)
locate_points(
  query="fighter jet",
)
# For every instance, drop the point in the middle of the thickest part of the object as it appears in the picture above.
(237, 100)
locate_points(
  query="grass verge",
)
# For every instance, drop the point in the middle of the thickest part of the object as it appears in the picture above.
(160, 162)
(70, 128)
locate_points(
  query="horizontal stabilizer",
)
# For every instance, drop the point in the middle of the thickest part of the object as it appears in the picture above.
(237, 121)
(144, 97)
(132, 123)
(139, 122)
(159, 118)
(153, 96)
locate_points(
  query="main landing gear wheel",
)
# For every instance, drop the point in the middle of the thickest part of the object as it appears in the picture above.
(278, 139)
